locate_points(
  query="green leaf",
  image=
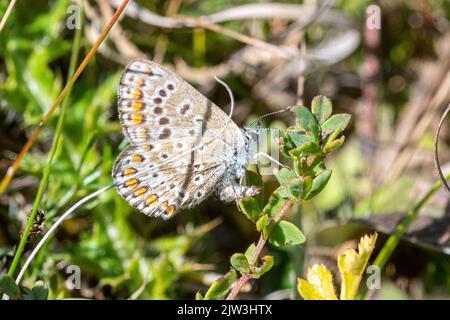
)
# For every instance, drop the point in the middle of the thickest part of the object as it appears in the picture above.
(221, 286)
(9, 286)
(307, 148)
(316, 167)
(250, 250)
(318, 184)
(352, 265)
(293, 189)
(307, 185)
(334, 126)
(198, 296)
(299, 139)
(321, 107)
(319, 284)
(291, 185)
(261, 224)
(251, 208)
(286, 144)
(38, 292)
(254, 179)
(240, 263)
(266, 265)
(275, 203)
(284, 175)
(334, 145)
(307, 121)
(286, 233)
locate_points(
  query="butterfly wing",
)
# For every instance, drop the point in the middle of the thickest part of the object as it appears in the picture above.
(165, 118)
(159, 188)
(156, 104)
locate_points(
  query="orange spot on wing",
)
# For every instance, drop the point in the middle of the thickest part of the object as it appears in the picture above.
(137, 158)
(132, 183)
(139, 192)
(170, 210)
(147, 147)
(139, 82)
(136, 118)
(129, 172)
(137, 105)
(151, 200)
(148, 71)
(137, 94)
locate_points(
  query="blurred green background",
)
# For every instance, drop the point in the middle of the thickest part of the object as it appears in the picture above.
(384, 167)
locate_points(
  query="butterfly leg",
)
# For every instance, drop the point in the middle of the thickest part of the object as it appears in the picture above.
(236, 191)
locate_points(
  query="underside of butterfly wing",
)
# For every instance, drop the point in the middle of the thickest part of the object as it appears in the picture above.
(182, 145)
(156, 104)
(158, 186)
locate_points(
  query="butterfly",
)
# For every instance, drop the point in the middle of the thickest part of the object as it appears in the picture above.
(183, 147)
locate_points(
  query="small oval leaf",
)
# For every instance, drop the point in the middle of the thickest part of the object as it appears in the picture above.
(318, 184)
(284, 175)
(321, 107)
(240, 263)
(9, 286)
(307, 121)
(254, 179)
(334, 145)
(286, 233)
(250, 207)
(275, 203)
(38, 292)
(261, 224)
(266, 265)
(334, 126)
(250, 250)
(221, 286)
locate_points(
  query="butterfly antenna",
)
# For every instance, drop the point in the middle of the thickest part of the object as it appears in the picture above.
(271, 113)
(230, 93)
(55, 225)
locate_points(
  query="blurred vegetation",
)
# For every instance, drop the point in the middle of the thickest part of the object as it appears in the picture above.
(121, 253)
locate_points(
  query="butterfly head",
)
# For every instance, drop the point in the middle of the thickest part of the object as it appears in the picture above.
(251, 134)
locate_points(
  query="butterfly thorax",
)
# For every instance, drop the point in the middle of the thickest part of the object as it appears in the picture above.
(230, 186)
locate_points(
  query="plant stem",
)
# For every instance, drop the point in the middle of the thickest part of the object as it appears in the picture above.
(55, 226)
(258, 249)
(5, 17)
(393, 240)
(55, 145)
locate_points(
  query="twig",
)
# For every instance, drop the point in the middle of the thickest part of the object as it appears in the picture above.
(162, 41)
(123, 45)
(258, 249)
(7, 14)
(436, 151)
(12, 169)
(367, 116)
(203, 23)
(301, 77)
(393, 240)
(55, 225)
(54, 147)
